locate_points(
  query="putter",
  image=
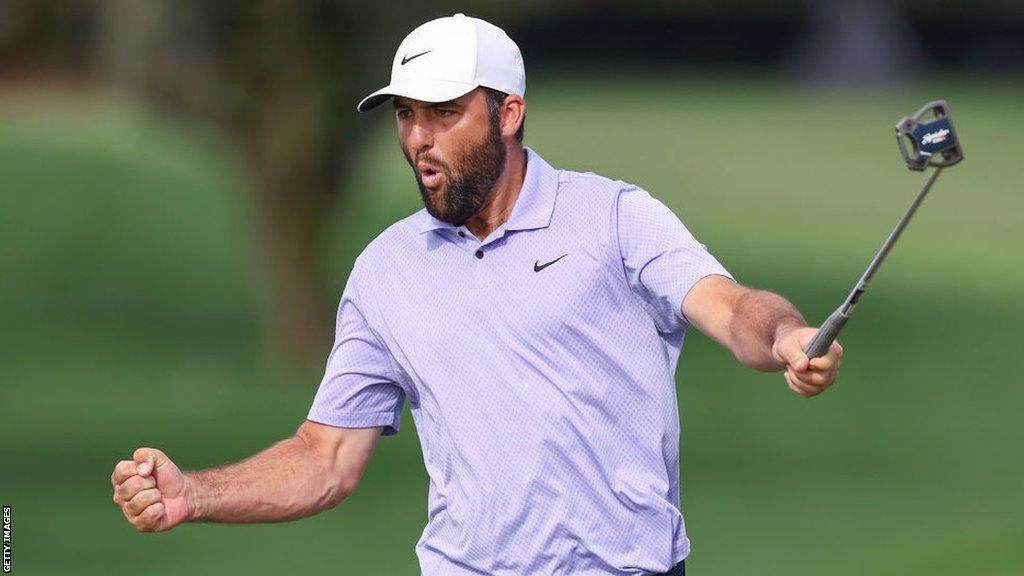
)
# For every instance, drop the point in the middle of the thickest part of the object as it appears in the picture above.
(922, 143)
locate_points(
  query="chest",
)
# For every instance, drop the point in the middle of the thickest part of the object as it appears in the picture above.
(465, 304)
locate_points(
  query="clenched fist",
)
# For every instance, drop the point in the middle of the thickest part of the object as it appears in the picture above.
(150, 490)
(806, 376)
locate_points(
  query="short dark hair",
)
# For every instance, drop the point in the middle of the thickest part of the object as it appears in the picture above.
(495, 98)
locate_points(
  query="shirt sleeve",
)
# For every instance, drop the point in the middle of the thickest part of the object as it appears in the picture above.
(360, 385)
(661, 259)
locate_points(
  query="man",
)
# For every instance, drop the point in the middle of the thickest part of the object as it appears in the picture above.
(533, 318)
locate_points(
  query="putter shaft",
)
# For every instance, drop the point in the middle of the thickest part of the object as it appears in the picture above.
(829, 330)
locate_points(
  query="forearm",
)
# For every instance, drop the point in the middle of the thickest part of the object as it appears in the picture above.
(759, 318)
(284, 482)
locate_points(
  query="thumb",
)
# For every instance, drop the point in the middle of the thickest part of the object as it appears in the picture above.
(147, 459)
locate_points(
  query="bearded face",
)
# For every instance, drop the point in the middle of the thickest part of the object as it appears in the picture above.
(454, 190)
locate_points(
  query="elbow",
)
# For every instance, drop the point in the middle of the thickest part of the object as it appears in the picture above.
(341, 487)
(331, 483)
(743, 355)
(742, 348)
(753, 354)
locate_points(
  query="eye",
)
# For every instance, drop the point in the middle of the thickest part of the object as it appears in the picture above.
(403, 113)
(444, 112)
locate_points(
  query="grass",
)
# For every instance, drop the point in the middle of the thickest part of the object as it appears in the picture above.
(129, 306)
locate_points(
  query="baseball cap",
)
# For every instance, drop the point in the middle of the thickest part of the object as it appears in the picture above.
(447, 58)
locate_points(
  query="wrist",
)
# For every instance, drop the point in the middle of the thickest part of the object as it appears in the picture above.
(782, 329)
(785, 326)
(192, 500)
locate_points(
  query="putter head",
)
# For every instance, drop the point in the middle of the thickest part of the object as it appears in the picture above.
(931, 142)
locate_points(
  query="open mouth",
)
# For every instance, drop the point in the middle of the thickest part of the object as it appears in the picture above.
(430, 177)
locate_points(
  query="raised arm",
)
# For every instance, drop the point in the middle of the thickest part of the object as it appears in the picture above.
(762, 329)
(300, 476)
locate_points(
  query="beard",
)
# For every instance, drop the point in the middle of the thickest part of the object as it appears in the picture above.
(469, 179)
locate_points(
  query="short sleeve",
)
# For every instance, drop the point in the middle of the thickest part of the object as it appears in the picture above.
(360, 385)
(661, 259)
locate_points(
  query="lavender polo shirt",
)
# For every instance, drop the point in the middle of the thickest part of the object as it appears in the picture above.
(539, 367)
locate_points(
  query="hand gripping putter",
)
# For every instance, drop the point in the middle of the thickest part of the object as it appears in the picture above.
(922, 143)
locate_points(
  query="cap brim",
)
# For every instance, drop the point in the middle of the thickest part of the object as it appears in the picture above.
(417, 89)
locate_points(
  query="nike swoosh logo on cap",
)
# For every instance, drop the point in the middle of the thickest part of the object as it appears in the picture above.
(413, 57)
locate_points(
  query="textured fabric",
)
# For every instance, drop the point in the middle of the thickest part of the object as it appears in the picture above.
(539, 367)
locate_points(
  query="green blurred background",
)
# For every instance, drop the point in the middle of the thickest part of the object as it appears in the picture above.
(133, 307)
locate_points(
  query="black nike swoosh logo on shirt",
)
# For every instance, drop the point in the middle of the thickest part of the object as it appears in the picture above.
(414, 56)
(537, 266)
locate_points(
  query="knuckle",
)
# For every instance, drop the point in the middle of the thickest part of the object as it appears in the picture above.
(150, 517)
(127, 489)
(120, 471)
(146, 499)
(137, 506)
(137, 484)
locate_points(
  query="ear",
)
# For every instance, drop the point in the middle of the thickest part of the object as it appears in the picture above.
(513, 111)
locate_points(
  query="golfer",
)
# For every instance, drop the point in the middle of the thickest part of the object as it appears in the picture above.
(533, 318)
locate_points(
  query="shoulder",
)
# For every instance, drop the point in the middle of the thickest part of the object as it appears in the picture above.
(589, 186)
(590, 196)
(594, 199)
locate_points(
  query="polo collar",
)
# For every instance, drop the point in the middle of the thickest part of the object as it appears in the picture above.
(533, 208)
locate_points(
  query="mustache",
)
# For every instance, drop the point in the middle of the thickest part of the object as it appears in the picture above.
(426, 158)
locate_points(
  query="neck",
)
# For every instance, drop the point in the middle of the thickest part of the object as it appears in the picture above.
(503, 196)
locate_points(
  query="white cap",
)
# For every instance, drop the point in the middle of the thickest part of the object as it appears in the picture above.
(447, 58)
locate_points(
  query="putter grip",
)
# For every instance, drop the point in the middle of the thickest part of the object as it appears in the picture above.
(826, 335)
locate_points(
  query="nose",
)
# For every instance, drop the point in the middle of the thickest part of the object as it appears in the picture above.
(421, 137)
